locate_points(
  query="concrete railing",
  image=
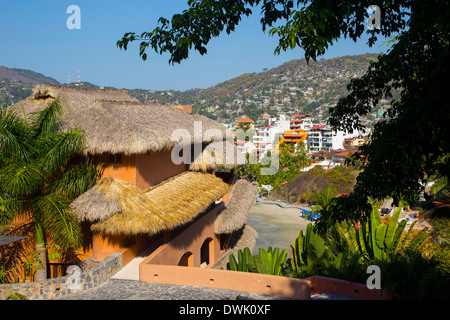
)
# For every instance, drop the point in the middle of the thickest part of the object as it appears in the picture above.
(225, 279)
(345, 288)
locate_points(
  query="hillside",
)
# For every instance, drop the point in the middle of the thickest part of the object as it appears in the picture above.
(292, 87)
(17, 84)
(25, 76)
(302, 188)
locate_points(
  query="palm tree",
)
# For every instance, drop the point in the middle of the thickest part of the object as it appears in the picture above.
(325, 200)
(38, 176)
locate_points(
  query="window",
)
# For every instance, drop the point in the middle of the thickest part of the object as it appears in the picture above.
(115, 158)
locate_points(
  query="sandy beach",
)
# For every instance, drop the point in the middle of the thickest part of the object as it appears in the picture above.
(276, 226)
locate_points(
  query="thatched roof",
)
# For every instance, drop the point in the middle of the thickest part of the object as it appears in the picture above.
(240, 239)
(218, 155)
(71, 98)
(112, 198)
(114, 122)
(235, 214)
(117, 207)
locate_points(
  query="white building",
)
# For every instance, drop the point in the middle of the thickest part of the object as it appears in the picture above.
(265, 138)
(322, 137)
(244, 146)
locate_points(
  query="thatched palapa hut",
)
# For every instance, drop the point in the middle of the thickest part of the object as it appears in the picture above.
(145, 196)
(117, 207)
(115, 122)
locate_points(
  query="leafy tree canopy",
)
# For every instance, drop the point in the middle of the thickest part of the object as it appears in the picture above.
(311, 25)
(411, 144)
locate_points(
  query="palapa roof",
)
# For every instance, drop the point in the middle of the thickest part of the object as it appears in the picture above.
(218, 155)
(117, 207)
(115, 122)
(240, 239)
(235, 214)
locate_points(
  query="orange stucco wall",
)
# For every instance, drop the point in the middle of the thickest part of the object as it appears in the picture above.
(349, 289)
(104, 246)
(142, 170)
(226, 279)
(191, 240)
(125, 171)
(154, 168)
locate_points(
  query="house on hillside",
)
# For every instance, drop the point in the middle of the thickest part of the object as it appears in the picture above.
(168, 185)
(245, 122)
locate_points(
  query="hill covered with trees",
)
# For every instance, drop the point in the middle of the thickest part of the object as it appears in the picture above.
(295, 86)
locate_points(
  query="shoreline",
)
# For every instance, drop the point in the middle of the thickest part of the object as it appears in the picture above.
(278, 224)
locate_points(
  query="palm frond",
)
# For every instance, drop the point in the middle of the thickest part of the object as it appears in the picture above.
(61, 148)
(21, 179)
(8, 209)
(76, 179)
(14, 137)
(47, 121)
(59, 223)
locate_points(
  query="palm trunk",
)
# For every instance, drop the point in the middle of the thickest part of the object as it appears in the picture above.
(41, 273)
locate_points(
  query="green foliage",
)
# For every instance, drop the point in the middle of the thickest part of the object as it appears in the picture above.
(309, 186)
(416, 65)
(244, 259)
(411, 143)
(324, 200)
(310, 255)
(36, 174)
(31, 264)
(376, 241)
(289, 166)
(346, 251)
(16, 296)
(266, 262)
(311, 25)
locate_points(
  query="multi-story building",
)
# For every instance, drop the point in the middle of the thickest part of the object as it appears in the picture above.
(267, 137)
(145, 199)
(322, 137)
(301, 122)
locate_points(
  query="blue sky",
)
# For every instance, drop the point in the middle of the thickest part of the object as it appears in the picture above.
(35, 36)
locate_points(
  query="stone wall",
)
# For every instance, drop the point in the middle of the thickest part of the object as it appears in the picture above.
(76, 282)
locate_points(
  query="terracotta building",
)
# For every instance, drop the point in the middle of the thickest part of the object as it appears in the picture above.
(191, 212)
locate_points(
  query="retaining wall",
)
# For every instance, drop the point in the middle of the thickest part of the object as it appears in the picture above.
(62, 286)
